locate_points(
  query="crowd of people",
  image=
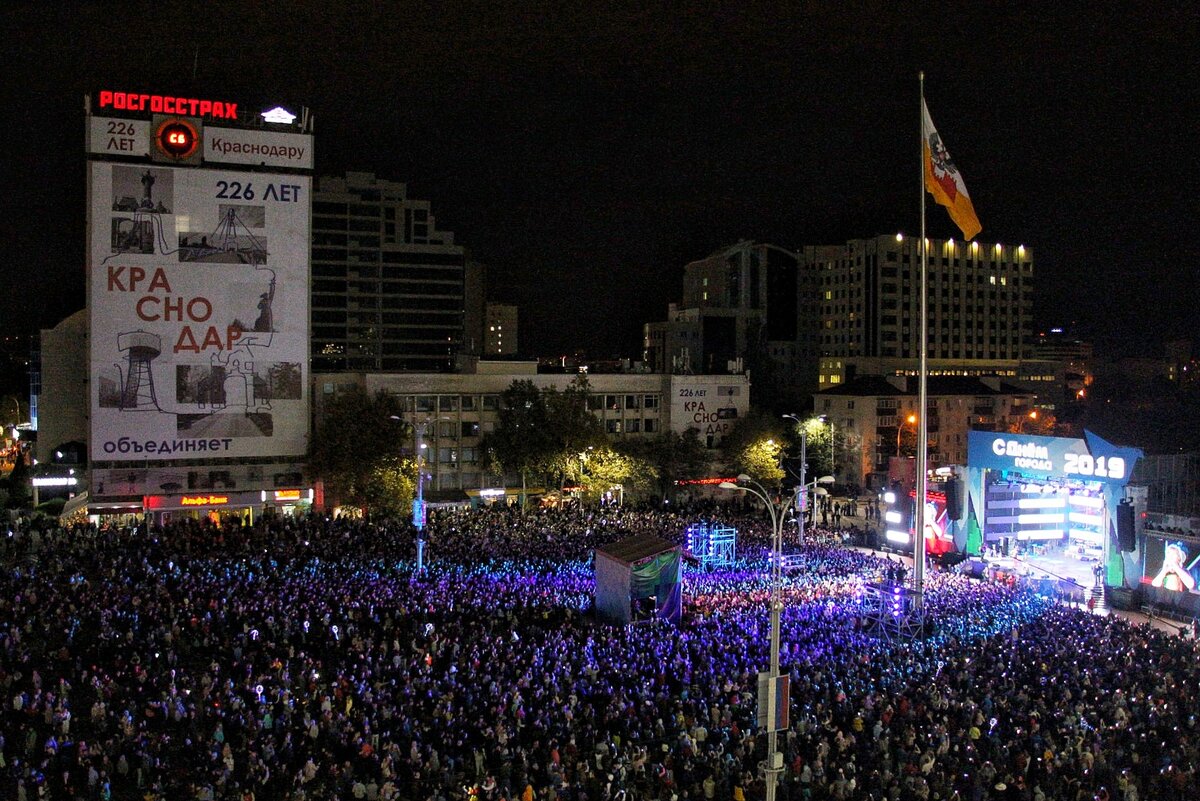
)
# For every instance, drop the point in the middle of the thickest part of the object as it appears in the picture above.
(304, 659)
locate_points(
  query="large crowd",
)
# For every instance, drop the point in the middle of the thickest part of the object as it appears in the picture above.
(304, 659)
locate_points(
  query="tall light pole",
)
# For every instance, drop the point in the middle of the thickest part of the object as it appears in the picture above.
(775, 693)
(419, 503)
(912, 418)
(774, 718)
(418, 511)
(583, 457)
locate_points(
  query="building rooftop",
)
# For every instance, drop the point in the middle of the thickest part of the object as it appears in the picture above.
(873, 385)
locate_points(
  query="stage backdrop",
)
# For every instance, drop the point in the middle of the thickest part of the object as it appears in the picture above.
(1091, 460)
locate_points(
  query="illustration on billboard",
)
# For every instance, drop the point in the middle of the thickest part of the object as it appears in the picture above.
(137, 189)
(199, 329)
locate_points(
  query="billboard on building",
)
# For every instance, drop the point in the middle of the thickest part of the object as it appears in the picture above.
(710, 404)
(198, 297)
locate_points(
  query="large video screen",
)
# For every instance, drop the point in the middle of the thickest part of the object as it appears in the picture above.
(1172, 564)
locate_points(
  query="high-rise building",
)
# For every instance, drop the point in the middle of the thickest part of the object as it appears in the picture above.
(500, 331)
(865, 309)
(822, 316)
(389, 288)
(740, 306)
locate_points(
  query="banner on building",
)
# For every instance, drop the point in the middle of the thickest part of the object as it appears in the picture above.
(198, 297)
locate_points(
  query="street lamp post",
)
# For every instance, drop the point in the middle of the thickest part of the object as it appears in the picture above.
(418, 517)
(777, 509)
(583, 459)
(419, 503)
(912, 418)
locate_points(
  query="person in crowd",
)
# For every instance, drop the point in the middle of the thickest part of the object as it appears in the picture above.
(305, 659)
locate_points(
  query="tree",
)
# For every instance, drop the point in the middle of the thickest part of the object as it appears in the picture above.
(598, 470)
(572, 428)
(522, 442)
(1036, 422)
(390, 487)
(754, 447)
(358, 446)
(671, 456)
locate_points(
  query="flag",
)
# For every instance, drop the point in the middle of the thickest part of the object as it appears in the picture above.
(944, 181)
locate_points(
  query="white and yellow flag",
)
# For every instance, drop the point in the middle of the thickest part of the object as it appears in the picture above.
(944, 181)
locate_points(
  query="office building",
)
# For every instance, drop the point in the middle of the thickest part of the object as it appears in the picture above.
(389, 288)
(866, 310)
(740, 311)
(457, 410)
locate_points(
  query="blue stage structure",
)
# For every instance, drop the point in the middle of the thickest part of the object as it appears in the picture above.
(712, 545)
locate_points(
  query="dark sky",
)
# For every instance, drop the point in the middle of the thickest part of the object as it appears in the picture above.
(587, 151)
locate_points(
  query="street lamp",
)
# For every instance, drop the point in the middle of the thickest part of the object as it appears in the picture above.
(418, 517)
(583, 460)
(911, 419)
(777, 509)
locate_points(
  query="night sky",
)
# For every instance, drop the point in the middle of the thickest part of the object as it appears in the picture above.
(586, 153)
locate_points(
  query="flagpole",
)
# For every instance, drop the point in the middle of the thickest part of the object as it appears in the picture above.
(922, 465)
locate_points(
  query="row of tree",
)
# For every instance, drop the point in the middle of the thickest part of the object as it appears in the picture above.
(546, 438)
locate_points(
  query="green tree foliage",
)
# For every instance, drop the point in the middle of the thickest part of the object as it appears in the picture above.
(522, 442)
(671, 456)
(390, 487)
(571, 426)
(540, 432)
(754, 446)
(357, 448)
(598, 470)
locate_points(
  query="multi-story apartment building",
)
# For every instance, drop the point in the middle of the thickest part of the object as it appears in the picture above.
(867, 307)
(829, 313)
(875, 419)
(739, 304)
(388, 287)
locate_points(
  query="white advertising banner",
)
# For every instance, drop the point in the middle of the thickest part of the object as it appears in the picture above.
(198, 296)
(710, 404)
(260, 148)
(114, 137)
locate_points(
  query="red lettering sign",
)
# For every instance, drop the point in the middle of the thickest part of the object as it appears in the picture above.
(165, 104)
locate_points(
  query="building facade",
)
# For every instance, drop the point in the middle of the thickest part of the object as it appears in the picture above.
(875, 419)
(740, 306)
(63, 386)
(389, 289)
(824, 315)
(456, 411)
(866, 308)
(197, 324)
(500, 330)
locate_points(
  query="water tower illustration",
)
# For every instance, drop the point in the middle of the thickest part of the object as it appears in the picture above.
(141, 348)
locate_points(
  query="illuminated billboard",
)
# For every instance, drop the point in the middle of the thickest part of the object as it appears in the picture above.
(1172, 564)
(198, 297)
